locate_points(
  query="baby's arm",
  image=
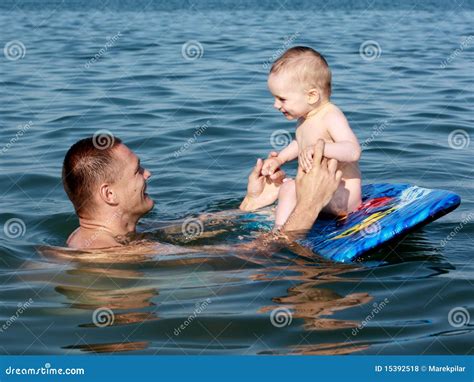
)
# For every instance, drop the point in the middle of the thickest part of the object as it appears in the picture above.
(289, 153)
(346, 147)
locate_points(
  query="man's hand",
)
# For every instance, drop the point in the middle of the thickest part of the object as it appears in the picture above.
(271, 165)
(260, 190)
(256, 181)
(305, 158)
(278, 175)
(313, 190)
(321, 181)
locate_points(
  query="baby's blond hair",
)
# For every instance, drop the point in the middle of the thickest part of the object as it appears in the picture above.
(308, 66)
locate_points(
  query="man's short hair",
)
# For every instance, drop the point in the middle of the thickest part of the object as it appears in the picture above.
(308, 66)
(86, 165)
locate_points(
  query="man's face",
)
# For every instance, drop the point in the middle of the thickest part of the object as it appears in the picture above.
(290, 97)
(130, 184)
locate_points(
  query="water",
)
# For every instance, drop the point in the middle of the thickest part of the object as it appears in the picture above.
(403, 103)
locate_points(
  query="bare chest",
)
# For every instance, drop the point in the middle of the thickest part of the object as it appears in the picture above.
(309, 132)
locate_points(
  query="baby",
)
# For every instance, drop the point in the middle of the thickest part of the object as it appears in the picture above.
(300, 81)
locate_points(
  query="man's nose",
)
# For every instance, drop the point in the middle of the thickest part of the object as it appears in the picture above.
(146, 174)
(276, 105)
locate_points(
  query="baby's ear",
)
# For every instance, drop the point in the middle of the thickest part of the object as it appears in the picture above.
(313, 96)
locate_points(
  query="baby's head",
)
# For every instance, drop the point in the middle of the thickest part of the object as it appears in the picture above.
(300, 81)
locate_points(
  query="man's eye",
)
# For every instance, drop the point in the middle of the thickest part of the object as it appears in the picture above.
(282, 99)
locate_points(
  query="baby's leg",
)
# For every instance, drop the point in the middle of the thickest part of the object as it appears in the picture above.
(346, 199)
(286, 202)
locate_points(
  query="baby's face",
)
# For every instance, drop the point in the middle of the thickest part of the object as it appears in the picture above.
(290, 97)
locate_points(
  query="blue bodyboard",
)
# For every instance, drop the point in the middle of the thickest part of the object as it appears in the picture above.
(387, 212)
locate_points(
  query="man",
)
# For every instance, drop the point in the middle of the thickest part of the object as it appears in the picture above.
(107, 186)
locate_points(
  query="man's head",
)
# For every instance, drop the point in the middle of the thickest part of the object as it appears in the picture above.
(96, 176)
(300, 80)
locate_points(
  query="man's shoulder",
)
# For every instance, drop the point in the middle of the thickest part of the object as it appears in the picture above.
(73, 238)
(90, 240)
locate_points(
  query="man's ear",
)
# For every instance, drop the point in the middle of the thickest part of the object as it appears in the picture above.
(313, 96)
(108, 194)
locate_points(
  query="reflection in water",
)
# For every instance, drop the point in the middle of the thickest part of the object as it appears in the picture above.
(134, 253)
(117, 294)
(338, 348)
(312, 304)
(88, 298)
(412, 247)
(110, 348)
(123, 281)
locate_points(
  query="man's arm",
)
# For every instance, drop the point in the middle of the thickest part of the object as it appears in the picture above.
(313, 190)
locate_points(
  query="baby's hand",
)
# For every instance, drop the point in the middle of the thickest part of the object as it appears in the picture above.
(271, 165)
(305, 158)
